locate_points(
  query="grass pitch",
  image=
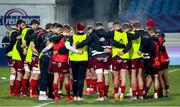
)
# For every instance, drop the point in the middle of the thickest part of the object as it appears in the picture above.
(173, 100)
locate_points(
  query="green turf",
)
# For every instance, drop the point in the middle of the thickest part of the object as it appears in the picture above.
(173, 100)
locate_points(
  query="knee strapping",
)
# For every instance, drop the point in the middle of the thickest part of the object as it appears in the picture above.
(99, 71)
(12, 77)
(26, 68)
(106, 71)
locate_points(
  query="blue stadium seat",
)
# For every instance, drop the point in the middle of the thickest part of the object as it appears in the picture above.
(165, 10)
(131, 10)
(147, 10)
(176, 1)
(175, 5)
(167, 1)
(173, 10)
(139, 11)
(155, 11)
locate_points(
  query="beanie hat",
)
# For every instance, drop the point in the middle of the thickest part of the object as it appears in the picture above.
(150, 23)
(80, 26)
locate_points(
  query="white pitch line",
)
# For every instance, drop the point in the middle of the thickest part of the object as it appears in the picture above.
(174, 70)
(44, 104)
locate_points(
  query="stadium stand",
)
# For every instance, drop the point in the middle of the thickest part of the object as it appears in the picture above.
(154, 7)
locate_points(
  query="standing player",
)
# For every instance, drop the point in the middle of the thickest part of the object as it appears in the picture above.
(137, 63)
(45, 81)
(91, 79)
(153, 73)
(101, 58)
(14, 36)
(60, 61)
(18, 58)
(26, 46)
(120, 55)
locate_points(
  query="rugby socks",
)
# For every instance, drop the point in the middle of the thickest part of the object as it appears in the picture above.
(122, 89)
(134, 93)
(55, 88)
(116, 90)
(156, 90)
(11, 89)
(67, 88)
(94, 85)
(106, 89)
(17, 87)
(140, 92)
(100, 86)
(33, 86)
(24, 86)
(88, 83)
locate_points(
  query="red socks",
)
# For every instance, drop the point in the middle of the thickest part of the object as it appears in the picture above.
(88, 83)
(33, 86)
(106, 89)
(140, 92)
(116, 90)
(24, 86)
(55, 88)
(67, 87)
(156, 90)
(11, 89)
(101, 89)
(94, 85)
(17, 87)
(123, 89)
(134, 93)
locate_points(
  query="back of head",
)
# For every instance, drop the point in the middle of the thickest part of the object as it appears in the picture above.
(66, 28)
(48, 26)
(136, 24)
(125, 26)
(116, 25)
(35, 22)
(99, 25)
(57, 25)
(20, 21)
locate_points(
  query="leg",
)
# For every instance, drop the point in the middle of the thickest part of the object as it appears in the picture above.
(34, 81)
(148, 83)
(156, 86)
(88, 82)
(100, 83)
(123, 83)
(81, 77)
(75, 68)
(116, 84)
(44, 76)
(94, 80)
(55, 85)
(106, 82)
(61, 83)
(140, 82)
(12, 81)
(18, 83)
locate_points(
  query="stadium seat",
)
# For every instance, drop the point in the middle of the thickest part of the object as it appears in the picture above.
(155, 11)
(173, 10)
(164, 10)
(147, 10)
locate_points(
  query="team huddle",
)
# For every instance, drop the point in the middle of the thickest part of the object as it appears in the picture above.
(42, 61)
